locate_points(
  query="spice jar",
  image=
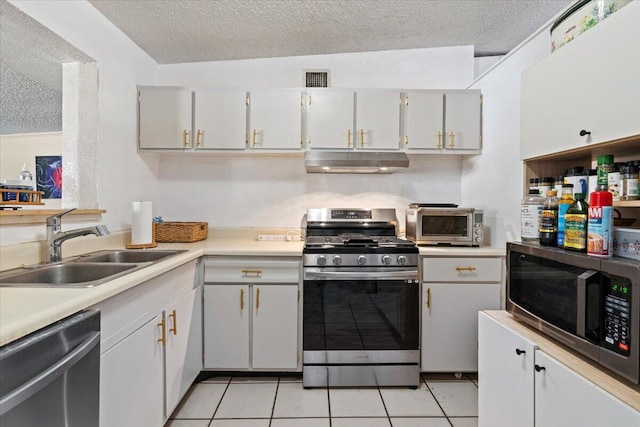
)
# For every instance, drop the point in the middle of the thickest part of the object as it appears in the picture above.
(530, 213)
(629, 183)
(605, 165)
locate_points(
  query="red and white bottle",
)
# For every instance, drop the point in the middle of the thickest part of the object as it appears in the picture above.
(600, 224)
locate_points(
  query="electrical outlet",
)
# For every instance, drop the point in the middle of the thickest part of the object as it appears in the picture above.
(272, 237)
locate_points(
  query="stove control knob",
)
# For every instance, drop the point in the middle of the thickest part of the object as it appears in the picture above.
(402, 260)
(386, 260)
(322, 260)
(337, 260)
(362, 260)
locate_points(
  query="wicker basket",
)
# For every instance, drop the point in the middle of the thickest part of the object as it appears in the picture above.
(180, 232)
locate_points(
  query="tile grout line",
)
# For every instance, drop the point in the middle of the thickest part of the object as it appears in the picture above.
(436, 399)
(220, 402)
(385, 407)
(329, 404)
(275, 398)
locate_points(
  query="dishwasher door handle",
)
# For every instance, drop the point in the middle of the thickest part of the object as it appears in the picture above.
(46, 377)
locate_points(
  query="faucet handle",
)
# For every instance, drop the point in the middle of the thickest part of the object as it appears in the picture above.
(55, 218)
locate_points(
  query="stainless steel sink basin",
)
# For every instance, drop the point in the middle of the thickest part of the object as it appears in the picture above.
(121, 256)
(67, 274)
(85, 271)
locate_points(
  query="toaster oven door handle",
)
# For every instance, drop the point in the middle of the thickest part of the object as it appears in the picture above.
(364, 275)
(584, 280)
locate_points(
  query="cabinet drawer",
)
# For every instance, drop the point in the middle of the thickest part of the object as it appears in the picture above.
(251, 270)
(461, 269)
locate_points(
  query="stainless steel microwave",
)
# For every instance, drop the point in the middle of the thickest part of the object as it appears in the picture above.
(590, 304)
(452, 226)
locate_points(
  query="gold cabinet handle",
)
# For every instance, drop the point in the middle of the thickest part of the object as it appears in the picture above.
(439, 139)
(198, 135)
(429, 298)
(185, 143)
(241, 299)
(349, 138)
(258, 298)
(175, 323)
(459, 269)
(253, 143)
(451, 139)
(163, 333)
(257, 273)
(361, 138)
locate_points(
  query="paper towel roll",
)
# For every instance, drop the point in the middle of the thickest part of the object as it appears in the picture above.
(142, 223)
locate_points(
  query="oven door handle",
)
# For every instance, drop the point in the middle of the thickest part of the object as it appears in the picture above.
(358, 275)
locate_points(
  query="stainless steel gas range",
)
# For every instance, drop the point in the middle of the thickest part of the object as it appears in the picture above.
(361, 300)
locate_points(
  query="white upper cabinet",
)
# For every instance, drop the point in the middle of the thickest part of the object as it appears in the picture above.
(377, 120)
(220, 120)
(443, 121)
(462, 121)
(592, 84)
(424, 120)
(329, 118)
(164, 118)
(275, 121)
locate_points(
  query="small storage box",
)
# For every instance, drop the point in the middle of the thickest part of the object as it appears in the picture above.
(180, 232)
(626, 242)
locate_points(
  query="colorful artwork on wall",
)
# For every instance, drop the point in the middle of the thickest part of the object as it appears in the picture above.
(49, 176)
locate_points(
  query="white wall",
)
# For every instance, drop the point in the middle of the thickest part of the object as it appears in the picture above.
(276, 191)
(493, 181)
(437, 68)
(123, 176)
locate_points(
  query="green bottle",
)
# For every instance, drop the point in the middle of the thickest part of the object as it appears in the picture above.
(576, 220)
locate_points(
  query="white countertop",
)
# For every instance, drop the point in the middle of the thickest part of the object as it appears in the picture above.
(25, 310)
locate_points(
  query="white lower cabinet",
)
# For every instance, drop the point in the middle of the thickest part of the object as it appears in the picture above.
(151, 348)
(453, 291)
(519, 384)
(131, 383)
(183, 346)
(505, 376)
(251, 311)
(251, 326)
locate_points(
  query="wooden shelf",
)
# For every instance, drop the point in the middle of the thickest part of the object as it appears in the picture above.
(627, 204)
(36, 216)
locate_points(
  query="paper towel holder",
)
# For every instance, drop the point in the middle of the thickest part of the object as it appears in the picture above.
(152, 243)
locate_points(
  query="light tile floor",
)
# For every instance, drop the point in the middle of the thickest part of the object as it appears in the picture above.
(442, 400)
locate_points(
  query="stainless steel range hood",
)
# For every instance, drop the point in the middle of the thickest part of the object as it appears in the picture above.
(355, 161)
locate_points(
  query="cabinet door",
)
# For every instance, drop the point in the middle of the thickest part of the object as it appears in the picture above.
(276, 120)
(377, 120)
(220, 120)
(424, 120)
(227, 309)
(505, 378)
(165, 118)
(450, 324)
(565, 399)
(275, 326)
(183, 354)
(131, 386)
(462, 121)
(572, 89)
(329, 119)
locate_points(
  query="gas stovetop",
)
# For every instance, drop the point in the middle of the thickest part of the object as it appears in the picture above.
(356, 240)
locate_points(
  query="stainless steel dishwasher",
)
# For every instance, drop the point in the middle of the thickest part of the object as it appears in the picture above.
(52, 376)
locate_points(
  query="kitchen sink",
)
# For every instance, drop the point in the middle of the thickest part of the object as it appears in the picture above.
(127, 256)
(85, 271)
(68, 274)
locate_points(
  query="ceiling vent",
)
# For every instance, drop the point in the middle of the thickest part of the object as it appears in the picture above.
(316, 78)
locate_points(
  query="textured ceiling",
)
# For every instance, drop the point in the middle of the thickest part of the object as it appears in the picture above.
(31, 58)
(174, 31)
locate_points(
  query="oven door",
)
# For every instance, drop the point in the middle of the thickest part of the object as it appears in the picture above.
(445, 227)
(353, 310)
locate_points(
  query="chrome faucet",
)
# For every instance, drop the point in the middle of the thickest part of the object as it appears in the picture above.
(55, 236)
